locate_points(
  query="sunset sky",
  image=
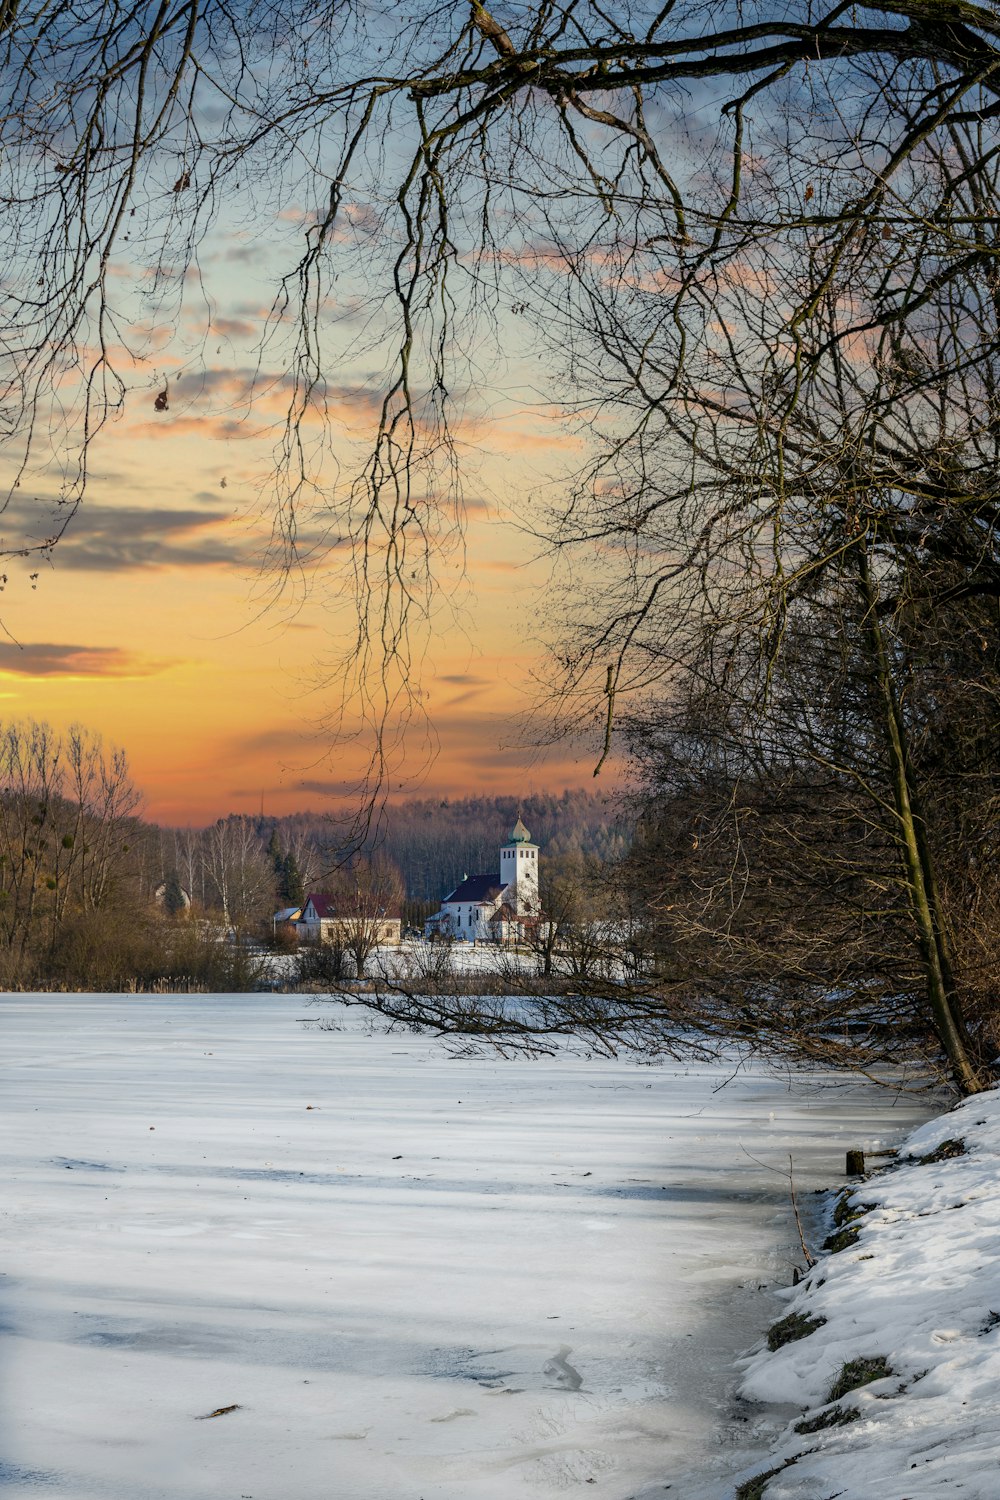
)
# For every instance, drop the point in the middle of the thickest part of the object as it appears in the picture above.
(148, 625)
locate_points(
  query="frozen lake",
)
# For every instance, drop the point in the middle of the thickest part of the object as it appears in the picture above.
(415, 1277)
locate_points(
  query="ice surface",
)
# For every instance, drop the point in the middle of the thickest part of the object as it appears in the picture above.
(411, 1276)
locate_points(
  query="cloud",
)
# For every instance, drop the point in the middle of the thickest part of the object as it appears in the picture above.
(299, 743)
(49, 659)
(124, 538)
(351, 791)
(235, 328)
(476, 506)
(469, 696)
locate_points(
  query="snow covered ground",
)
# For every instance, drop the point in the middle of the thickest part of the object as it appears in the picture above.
(415, 958)
(918, 1297)
(248, 1258)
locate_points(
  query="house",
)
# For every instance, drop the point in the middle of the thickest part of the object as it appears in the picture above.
(327, 920)
(494, 908)
(286, 921)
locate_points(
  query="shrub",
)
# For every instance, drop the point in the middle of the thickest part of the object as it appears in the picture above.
(323, 963)
(116, 951)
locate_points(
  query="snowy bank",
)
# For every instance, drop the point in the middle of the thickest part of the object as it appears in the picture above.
(909, 1305)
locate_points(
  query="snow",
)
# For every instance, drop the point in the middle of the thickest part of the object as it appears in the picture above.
(411, 1275)
(921, 1288)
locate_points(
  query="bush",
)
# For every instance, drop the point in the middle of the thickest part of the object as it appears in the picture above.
(324, 963)
(283, 938)
(114, 951)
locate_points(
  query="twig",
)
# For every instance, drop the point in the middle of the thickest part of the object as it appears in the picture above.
(809, 1257)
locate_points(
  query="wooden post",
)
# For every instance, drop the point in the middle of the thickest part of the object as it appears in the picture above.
(855, 1163)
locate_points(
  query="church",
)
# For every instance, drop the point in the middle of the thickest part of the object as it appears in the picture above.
(494, 908)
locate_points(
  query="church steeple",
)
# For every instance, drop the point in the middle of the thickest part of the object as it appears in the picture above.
(519, 870)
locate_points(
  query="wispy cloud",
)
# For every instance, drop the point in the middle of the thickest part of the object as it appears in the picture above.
(297, 744)
(122, 538)
(51, 659)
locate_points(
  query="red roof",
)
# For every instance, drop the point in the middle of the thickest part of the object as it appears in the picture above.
(327, 909)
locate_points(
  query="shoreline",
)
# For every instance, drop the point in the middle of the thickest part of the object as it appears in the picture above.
(890, 1345)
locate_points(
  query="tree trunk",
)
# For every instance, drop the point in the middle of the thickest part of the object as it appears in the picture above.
(918, 860)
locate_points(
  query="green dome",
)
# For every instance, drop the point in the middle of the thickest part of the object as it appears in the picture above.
(519, 834)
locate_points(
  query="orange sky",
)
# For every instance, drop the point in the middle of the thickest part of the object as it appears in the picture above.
(147, 625)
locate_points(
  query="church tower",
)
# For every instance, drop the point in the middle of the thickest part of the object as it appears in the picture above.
(519, 871)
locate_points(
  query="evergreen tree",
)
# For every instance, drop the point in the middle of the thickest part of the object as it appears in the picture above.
(291, 887)
(174, 902)
(274, 851)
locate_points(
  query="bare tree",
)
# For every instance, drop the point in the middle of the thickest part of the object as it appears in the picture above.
(844, 539)
(190, 862)
(239, 871)
(67, 825)
(793, 538)
(568, 925)
(366, 897)
(107, 804)
(30, 789)
(308, 857)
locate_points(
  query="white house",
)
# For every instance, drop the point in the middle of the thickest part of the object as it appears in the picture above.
(494, 907)
(326, 921)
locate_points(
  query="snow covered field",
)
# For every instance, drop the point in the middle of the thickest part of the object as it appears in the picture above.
(408, 1276)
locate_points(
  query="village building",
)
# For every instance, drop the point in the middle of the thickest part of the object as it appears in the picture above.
(325, 920)
(494, 908)
(285, 922)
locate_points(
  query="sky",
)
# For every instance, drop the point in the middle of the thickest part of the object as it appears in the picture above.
(151, 623)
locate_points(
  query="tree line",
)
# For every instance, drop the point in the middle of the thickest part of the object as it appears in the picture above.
(435, 841)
